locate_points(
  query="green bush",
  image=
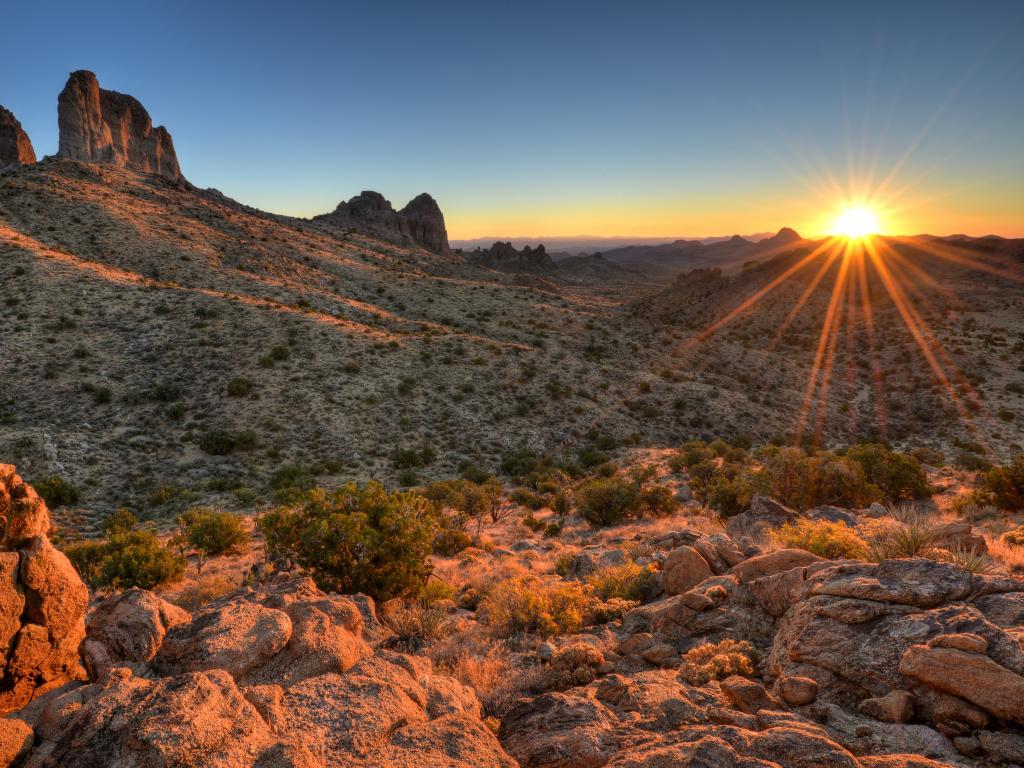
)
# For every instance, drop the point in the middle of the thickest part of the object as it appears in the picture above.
(717, 661)
(658, 501)
(898, 475)
(119, 521)
(607, 500)
(531, 604)
(357, 539)
(528, 499)
(56, 491)
(802, 481)
(239, 387)
(212, 532)
(128, 558)
(628, 581)
(1003, 486)
(450, 541)
(217, 442)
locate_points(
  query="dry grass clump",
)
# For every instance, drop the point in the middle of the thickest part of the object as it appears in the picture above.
(717, 661)
(823, 538)
(574, 665)
(203, 590)
(976, 562)
(906, 532)
(536, 605)
(487, 666)
(1004, 551)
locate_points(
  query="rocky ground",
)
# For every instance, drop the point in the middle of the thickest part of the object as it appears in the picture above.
(739, 653)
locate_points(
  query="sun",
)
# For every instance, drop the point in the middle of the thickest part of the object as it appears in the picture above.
(855, 223)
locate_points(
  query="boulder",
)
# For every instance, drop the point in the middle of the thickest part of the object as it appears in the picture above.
(15, 146)
(426, 223)
(893, 707)
(196, 719)
(234, 635)
(796, 690)
(128, 628)
(684, 568)
(770, 563)
(764, 515)
(42, 599)
(99, 126)
(970, 676)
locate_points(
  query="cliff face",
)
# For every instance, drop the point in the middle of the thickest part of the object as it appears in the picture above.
(419, 223)
(15, 146)
(99, 126)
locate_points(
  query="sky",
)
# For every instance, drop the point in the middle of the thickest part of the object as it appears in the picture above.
(563, 118)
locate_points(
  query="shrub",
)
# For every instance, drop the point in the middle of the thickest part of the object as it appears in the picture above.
(1003, 486)
(979, 563)
(239, 387)
(628, 581)
(357, 539)
(535, 605)
(119, 521)
(528, 499)
(132, 559)
(607, 500)
(1015, 537)
(450, 541)
(823, 538)
(695, 452)
(56, 491)
(717, 661)
(801, 481)
(727, 493)
(212, 532)
(217, 442)
(534, 523)
(906, 533)
(658, 501)
(898, 475)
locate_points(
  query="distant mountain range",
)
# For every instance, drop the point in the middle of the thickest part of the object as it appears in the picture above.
(587, 243)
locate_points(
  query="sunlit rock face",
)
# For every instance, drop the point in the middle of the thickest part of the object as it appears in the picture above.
(15, 146)
(98, 126)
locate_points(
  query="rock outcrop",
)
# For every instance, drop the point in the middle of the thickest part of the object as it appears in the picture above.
(42, 599)
(282, 676)
(505, 257)
(15, 147)
(420, 223)
(99, 126)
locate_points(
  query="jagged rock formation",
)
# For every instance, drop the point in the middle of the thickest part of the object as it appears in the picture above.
(99, 126)
(419, 223)
(42, 599)
(15, 147)
(505, 257)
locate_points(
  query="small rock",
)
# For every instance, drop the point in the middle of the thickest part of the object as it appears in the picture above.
(894, 707)
(964, 641)
(797, 691)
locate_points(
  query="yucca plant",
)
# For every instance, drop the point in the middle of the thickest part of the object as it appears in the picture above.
(978, 563)
(909, 533)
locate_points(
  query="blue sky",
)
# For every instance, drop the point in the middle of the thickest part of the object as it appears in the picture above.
(561, 118)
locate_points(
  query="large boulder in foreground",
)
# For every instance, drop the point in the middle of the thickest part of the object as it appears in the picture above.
(99, 126)
(42, 599)
(15, 146)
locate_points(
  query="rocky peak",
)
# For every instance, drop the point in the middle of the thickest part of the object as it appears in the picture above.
(784, 235)
(505, 256)
(419, 223)
(98, 126)
(15, 146)
(426, 223)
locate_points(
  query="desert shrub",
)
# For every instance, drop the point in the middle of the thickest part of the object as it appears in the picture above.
(239, 387)
(357, 539)
(695, 452)
(658, 501)
(212, 532)
(802, 481)
(534, 523)
(726, 494)
(135, 558)
(717, 661)
(1015, 536)
(412, 458)
(290, 481)
(898, 475)
(528, 499)
(823, 538)
(1003, 486)
(628, 581)
(552, 530)
(607, 500)
(536, 605)
(450, 541)
(121, 520)
(218, 442)
(56, 491)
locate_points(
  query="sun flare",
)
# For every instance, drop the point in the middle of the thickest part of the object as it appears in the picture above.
(856, 223)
